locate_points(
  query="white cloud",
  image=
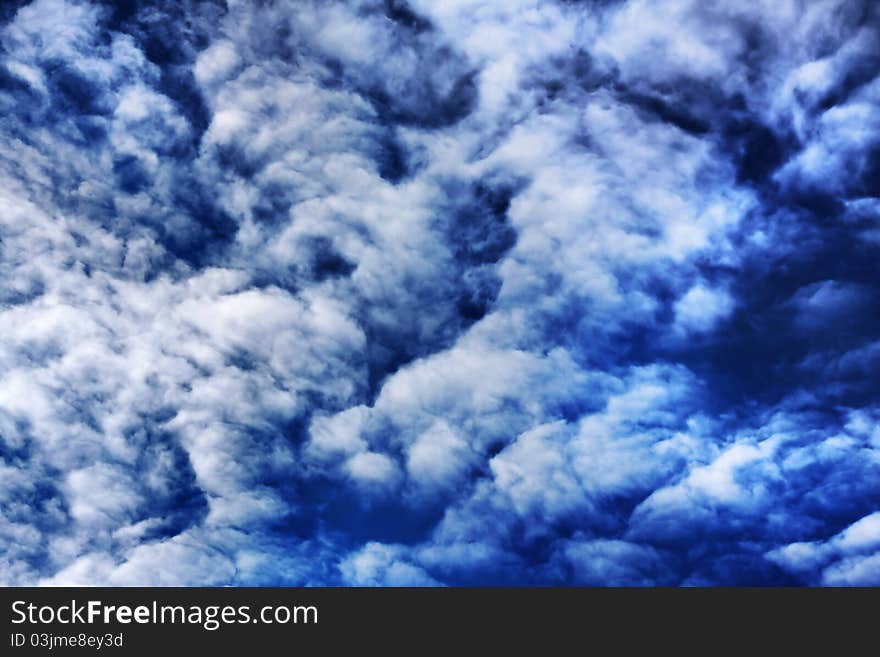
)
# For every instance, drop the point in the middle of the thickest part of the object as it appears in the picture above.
(439, 458)
(701, 308)
(850, 558)
(243, 277)
(381, 565)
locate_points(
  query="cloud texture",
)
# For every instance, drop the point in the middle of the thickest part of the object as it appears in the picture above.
(439, 293)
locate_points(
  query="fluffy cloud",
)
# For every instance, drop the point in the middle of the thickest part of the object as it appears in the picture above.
(389, 293)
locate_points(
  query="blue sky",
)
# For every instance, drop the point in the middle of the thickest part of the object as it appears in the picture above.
(508, 292)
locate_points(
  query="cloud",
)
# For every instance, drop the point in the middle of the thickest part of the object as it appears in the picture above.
(850, 558)
(701, 308)
(613, 563)
(380, 565)
(418, 293)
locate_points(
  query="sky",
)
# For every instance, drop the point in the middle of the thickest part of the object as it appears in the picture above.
(386, 293)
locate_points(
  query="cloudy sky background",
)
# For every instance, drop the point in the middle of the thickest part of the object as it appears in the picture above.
(461, 292)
